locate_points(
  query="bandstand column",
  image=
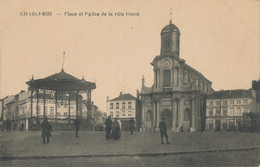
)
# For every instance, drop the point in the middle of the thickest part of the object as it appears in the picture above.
(31, 107)
(37, 106)
(77, 102)
(69, 108)
(90, 103)
(44, 101)
(56, 105)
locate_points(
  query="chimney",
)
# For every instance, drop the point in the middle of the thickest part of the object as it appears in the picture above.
(107, 98)
(22, 91)
(121, 93)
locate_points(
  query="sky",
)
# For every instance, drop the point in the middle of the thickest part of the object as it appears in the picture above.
(220, 39)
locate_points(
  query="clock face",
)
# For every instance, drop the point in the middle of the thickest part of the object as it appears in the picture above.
(166, 63)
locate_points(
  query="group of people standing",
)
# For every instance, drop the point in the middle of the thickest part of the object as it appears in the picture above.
(112, 129)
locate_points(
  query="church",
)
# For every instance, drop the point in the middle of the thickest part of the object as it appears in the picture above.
(178, 93)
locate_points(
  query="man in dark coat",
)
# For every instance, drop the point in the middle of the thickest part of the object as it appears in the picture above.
(108, 124)
(163, 130)
(46, 129)
(131, 125)
(77, 125)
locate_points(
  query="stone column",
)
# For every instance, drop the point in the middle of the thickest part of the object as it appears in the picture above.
(143, 118)
(172, 77)
(155, 78)
(153, 124)
(158, 114)
(173, 115)
(177, 107)
(193, 129)
(158, 78)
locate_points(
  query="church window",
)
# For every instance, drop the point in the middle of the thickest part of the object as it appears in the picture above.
(166, 78)
(167, 43)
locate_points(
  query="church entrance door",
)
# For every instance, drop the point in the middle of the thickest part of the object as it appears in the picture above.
(149, 120)
(168, 118)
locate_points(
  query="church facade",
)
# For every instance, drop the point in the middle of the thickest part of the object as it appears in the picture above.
(178, 93)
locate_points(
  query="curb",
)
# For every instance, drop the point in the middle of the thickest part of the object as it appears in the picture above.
(27, 157)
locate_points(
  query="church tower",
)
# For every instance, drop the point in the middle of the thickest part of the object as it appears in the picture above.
(170, 40)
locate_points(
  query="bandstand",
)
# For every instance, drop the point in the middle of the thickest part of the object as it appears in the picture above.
(65, 88)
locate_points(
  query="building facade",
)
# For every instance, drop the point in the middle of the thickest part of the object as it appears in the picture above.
(179, 91)
(18, 108)
(226, 109)
(123, 108)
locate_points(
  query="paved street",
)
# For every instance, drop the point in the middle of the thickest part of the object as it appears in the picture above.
(238, 158)
(64, 143)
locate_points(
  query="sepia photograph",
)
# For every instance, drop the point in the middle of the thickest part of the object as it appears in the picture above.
(129, 83)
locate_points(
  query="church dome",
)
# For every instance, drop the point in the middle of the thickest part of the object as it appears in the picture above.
(170, 28)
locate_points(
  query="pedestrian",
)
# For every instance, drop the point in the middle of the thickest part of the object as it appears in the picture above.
(116, 133)
(131, 125)
(108, 129)
(46, 129)
(22, 127)
(163, 131)
(8, 125)
(77, 125)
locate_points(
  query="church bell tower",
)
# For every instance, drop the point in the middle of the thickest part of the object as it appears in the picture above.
(170, 40)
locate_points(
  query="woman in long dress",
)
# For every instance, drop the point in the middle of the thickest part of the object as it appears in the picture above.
(116, 134)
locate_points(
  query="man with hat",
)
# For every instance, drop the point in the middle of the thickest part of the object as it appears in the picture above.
(163, 131)
(46, 129)
(108, 124)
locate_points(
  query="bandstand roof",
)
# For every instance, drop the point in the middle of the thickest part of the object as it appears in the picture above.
(61, 81)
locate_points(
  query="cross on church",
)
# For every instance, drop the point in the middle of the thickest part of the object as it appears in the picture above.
(171, 14)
